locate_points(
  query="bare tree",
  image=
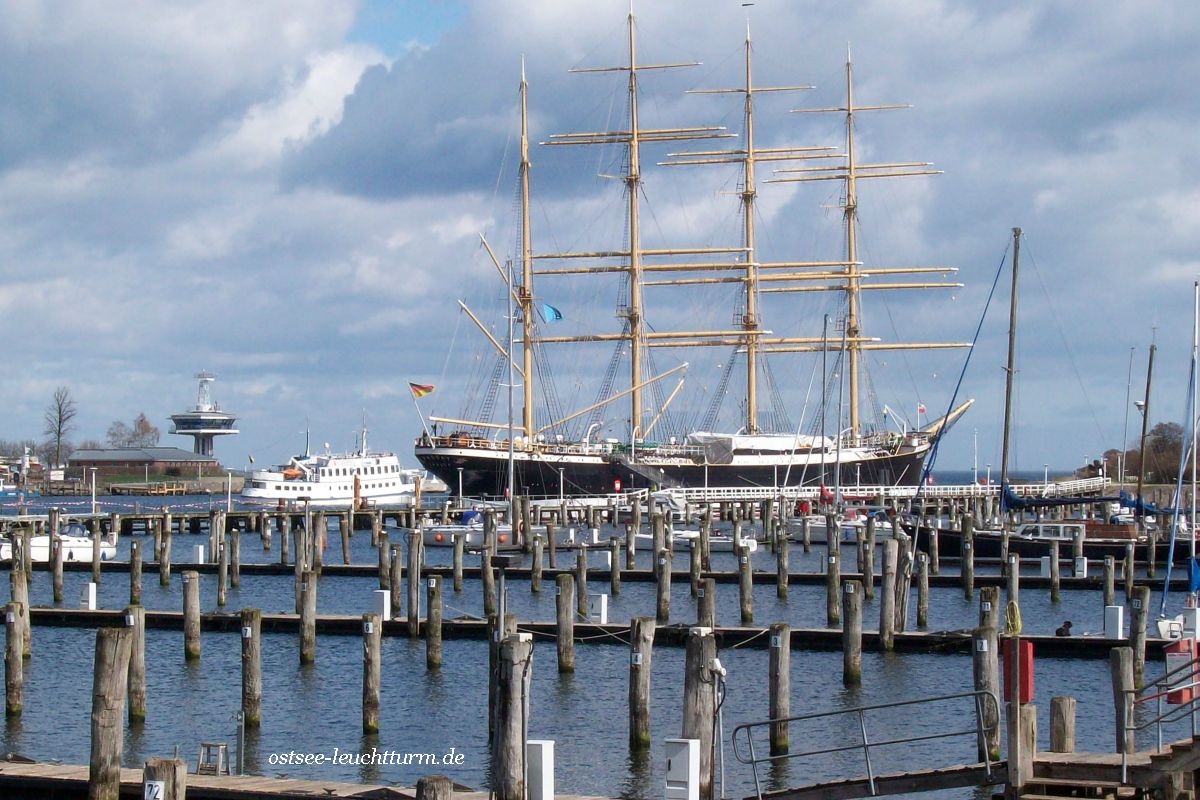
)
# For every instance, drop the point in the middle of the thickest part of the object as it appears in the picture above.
(59, 416)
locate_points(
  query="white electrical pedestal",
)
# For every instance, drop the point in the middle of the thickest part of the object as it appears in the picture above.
(598, 608)
(1114, 622)
(382, 604)
(683, 769)
(539, 760)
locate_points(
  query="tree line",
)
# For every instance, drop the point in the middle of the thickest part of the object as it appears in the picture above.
(59, 424)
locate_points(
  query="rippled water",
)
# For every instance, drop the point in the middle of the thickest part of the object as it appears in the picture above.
(317, 708)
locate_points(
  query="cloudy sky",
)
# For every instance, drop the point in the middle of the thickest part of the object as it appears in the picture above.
(290, 195)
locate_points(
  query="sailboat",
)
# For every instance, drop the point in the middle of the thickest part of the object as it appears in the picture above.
(547, 460)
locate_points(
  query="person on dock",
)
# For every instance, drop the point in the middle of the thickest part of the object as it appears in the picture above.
(1064, 629)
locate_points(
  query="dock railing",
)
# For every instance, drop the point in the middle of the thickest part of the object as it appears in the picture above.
(982, 700)
(1182, 680)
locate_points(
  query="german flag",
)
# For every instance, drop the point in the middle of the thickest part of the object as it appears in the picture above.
(420, 389)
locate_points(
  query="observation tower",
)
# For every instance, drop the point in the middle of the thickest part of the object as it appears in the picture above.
(205, 421)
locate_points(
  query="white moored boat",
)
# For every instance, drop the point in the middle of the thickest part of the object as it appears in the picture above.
(327, 479)
(75, 541)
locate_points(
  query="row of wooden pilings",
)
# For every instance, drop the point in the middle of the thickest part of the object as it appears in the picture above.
(509, 650)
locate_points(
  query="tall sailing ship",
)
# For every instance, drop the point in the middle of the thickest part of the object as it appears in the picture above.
(483, 457)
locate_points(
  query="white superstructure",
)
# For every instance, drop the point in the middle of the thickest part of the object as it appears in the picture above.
(334, 480)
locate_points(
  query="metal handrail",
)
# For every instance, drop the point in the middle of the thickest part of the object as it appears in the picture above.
(980, 697)
(1157, 691)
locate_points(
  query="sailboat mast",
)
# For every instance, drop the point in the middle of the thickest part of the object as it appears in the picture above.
(1141, 519)
(633, 181)
(852, 277)
(750, 319)
(526, 292)
(1010, 370)
(1195, 389)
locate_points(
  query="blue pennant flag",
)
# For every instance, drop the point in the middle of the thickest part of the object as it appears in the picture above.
(1193, 575)
(551, 313)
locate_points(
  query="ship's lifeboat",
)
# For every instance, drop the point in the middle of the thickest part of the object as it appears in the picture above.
(291, 474)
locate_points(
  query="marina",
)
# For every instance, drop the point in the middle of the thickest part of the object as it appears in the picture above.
(713, 465)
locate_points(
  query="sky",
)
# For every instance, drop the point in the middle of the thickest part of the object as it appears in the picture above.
(291, 195)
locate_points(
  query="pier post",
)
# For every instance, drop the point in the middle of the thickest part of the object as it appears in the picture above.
(1055, 574)
(94, 525)
(376, 526)
(413, 617)
(1128, 566)
(171, 773)
(235, 560)
(706, 603)
(284, 536)
(614, 567)
(308, 617)
(904, 564)
(19, 593)
(833, 586)
(663, 573)
(14, 660)
(252, 667)
(581, 578)
(433, 623)
(935, 560)
(344, 530)
(805, 533)
(887, 592)
(1137, 632)
(395, 581)
(745, 585)
(1014, 579)
(164, 553)
(496, 634)
(565, 607)
(641, 652)
(222, 571)
(985, 670)
(852, 633)
(1062, 725)
(659, 530)
(135, 620)
(967, 557)
(1110, 580)
(1120, 662)
(868, 569)
(699, 691)
(1077, 544)
(781, 562)
(630, 548)
(1004, 534)
(372, 632)
(552, 545)
(385, 574)
(694, 567)
(989, 606)
(706, 539)
(57, 556)
(135, 573)
(460, 540)
(535, 571)
(191, 615)
(435, 787)
(512, 711)
(923, 569)
(109, 682)
(779, 694)
(486, 573)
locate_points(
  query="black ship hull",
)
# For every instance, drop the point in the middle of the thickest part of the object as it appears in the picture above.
(481, 469)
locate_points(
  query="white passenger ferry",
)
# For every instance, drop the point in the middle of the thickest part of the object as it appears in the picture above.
(360, 478)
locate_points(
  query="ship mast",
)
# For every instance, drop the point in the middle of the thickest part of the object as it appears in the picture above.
(748, 157)
(525, 294)
(633, 312)
(849, 278)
